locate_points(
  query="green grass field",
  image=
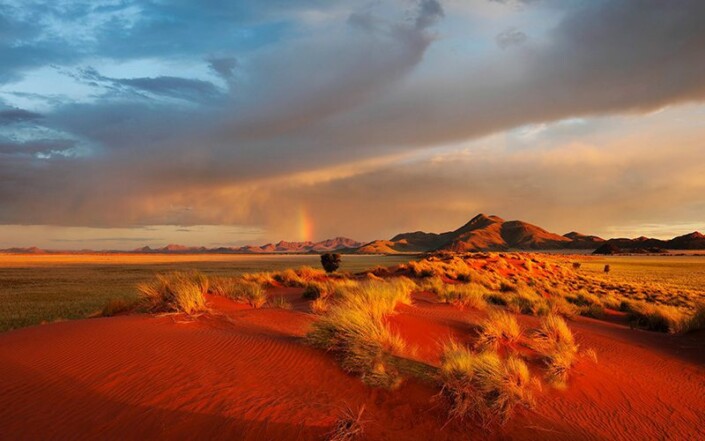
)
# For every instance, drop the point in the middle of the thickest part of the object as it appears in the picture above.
(36, 289)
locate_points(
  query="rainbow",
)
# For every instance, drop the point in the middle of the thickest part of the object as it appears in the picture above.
(305, 225)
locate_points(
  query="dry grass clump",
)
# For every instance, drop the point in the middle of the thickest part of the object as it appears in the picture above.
(554, 341)
(307, 273)
(261, 278)
(316, 290)
(328, 288)
(289, 278)
(662, 318)
(223, 286)
(279, 302)
(471, 295)
(349, 426)
(525, 300)
(175, 292)
(483, 385)
(251, 292)
(356, 330)
(499, 329)
(240, 289)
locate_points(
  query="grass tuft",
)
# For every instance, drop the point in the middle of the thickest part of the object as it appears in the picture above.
(279, 302)
(483, 386)
(355, 329)
(499, 329)
(555, 342)
(175, 292)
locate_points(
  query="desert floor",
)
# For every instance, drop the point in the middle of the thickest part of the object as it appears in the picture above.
(243, 373)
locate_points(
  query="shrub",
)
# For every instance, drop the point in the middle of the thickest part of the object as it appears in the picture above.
(175, 292)
(482, 385)
(554, 341)
(499, 329)
(330, 262)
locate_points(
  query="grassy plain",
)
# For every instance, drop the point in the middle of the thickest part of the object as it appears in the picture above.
(676, 272)
(45, 288)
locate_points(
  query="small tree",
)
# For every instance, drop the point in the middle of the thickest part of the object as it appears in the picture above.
(330, 262)
(607, 269)
(576, 265)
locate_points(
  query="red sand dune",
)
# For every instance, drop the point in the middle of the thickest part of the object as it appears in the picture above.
(240, 373)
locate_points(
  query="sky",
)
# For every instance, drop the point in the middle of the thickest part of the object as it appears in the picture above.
(126, 123)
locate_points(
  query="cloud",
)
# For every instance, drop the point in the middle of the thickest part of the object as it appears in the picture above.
(510, 37)
(12, 115)
(359, 83)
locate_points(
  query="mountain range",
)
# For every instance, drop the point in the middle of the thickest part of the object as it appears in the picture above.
(481, 233)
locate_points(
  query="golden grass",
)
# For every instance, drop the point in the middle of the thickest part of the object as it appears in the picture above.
(175, 292)
(320, 305)
(356, 330)
(555, 342)
(499, 329)
(279, 302)
(482, 385)
(662, 318)
(471, 295)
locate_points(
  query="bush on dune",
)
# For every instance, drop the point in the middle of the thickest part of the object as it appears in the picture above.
(356, 330)
(499, 329)
(175, 292)
(483, 385)
(240, 289)
(554, 341)
(525, 300)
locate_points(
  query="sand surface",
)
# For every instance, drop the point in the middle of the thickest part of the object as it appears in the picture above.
(240, 373)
